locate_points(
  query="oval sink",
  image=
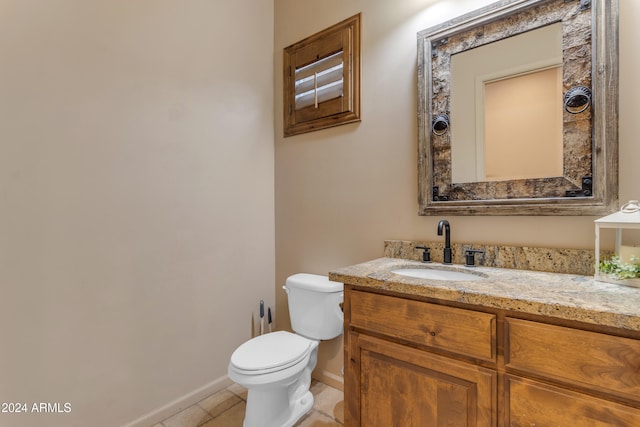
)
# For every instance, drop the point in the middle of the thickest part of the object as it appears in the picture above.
(437, 274)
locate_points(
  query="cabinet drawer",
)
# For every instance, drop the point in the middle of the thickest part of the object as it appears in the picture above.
(599, 361)
(466, 332)
(530, 403)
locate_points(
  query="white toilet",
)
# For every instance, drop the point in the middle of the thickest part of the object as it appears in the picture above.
(276, 367)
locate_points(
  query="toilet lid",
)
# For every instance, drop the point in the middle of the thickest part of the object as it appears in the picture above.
(277, 349)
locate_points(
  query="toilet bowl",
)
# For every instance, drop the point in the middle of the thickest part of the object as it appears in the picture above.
(271, 399)
(276, 367)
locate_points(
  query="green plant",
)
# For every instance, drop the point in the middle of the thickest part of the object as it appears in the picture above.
(621, 270)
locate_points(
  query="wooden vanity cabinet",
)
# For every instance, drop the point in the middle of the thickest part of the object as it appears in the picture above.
(570, 377)
(398, 372)
(412, 362)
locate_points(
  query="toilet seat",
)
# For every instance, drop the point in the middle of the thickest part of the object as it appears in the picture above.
(272, 352)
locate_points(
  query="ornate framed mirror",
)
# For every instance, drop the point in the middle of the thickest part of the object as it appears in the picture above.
(518, 110)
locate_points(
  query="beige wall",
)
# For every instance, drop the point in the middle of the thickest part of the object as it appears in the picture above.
(136, 201)
(341, 192)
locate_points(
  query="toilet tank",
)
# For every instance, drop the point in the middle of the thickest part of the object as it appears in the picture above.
(314, 305)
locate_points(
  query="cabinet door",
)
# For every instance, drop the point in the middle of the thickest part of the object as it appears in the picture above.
(531, 403)
(404, 387)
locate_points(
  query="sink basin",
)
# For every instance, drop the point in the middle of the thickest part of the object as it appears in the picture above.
(438, 274)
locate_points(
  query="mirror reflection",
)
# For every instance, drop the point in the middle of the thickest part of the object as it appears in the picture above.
(505, 108)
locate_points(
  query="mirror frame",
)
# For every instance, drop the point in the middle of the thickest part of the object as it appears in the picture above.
(602, 196)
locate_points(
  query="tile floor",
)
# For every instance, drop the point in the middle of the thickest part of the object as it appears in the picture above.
(226, 409)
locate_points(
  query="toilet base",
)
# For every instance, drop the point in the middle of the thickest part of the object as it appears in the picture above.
(283, 403)
(272, 408)
(300, 407)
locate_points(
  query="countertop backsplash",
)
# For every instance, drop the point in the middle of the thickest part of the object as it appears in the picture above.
(553, 260)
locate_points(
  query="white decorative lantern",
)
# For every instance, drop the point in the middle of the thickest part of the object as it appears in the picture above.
(627, 218)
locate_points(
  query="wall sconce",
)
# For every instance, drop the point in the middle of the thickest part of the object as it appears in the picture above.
(577, 99)
(440, 124)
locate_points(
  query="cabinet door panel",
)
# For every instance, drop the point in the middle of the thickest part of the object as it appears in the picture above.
(405, 387)
(531, 403)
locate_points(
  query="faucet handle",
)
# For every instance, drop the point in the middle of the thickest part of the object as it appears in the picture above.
(469, 255)
(426, 255)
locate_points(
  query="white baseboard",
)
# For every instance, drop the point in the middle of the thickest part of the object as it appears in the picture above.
(181, 403)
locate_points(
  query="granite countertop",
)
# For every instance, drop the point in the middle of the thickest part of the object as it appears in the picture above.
(564, 296)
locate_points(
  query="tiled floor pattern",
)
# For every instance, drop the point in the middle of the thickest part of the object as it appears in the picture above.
(226, 409)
